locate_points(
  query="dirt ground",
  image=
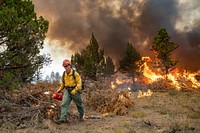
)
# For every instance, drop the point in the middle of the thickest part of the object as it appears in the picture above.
(163, 112)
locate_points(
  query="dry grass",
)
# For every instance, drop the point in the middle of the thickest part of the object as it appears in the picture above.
(138, 114)
(104, 99)
(165, 111)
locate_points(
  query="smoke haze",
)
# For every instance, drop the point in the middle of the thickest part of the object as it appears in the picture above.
(116, 22)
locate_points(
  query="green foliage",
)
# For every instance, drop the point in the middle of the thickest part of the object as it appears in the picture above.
(7, 81)
(78, 61)
(21, 37)
(91, 60)
(162, 48)
(131, 61)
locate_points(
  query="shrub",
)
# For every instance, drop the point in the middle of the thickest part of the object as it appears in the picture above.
(107, 100)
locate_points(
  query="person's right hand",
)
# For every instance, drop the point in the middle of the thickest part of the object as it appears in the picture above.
(58, 91)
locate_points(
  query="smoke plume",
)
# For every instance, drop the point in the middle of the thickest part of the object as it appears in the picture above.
(116, 22)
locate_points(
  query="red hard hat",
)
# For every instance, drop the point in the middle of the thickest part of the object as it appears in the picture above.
(66, 62)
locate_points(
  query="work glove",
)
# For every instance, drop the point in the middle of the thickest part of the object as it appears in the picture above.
(74, 91)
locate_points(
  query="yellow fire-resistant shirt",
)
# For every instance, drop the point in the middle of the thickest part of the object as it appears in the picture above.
(69, 81)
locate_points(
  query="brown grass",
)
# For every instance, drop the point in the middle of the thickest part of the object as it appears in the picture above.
(165, 111)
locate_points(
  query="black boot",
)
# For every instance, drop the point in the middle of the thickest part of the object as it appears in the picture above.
(60, 121)
(81, 119)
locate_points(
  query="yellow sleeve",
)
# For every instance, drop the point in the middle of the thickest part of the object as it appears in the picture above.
(60, 88)
(62, 84)
(78, 81)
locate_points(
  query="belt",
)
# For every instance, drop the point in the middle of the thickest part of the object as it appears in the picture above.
(69, 88)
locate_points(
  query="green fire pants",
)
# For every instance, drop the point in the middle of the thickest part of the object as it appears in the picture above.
(67, 98)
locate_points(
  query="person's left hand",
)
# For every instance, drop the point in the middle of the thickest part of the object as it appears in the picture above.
(73, 92)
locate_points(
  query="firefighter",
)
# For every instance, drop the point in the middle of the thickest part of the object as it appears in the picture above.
(71, 88)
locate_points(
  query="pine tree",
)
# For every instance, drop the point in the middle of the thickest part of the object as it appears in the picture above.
(77, 61)
(110, 67)
(162, 49)
(52, 76)
(47, 79)
(21, 37)
(91, 61)
(131, 61)
(57, 76)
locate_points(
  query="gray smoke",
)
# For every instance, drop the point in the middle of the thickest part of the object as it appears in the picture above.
(116, 22)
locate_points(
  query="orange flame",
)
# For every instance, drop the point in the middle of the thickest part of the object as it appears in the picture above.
(47, 92)
(144, 94)
(174, 77)
(178, 80)
(148, 72)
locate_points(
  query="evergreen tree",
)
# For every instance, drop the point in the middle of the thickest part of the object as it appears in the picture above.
(47, 79)
(52, 76)
(162, 48)
(91, 61)
(38, 76)
(110, 67)
(57, 76)
(77, 61)
(21, 37)
(101, 68)
(131, 61)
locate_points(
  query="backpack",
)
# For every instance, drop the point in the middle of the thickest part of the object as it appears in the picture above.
(74, 77)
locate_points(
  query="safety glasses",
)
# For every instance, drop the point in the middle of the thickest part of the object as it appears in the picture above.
(67, 65)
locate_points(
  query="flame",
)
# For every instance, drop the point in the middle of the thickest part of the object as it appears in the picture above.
(191, 77)
(151, 76)
(178, 80)
(47, 92)
(144, 94)
(52, 106)
(121, 81)
(118, 81)
(113, 86)
(50, 112)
